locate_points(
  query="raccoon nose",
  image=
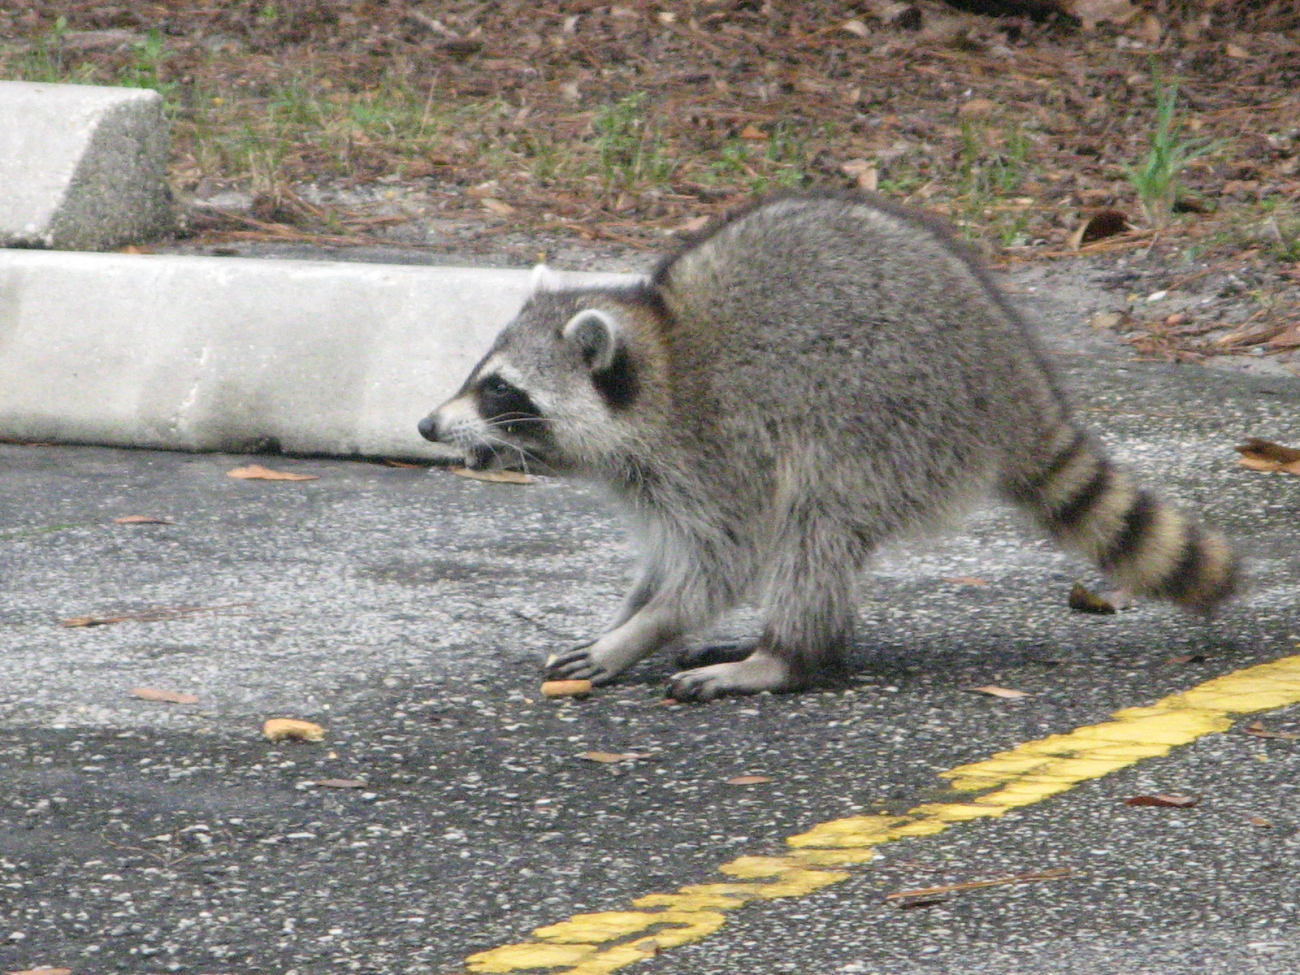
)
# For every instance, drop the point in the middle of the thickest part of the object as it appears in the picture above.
(428, 427)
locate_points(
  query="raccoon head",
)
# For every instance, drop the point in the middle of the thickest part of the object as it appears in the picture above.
(553, 391)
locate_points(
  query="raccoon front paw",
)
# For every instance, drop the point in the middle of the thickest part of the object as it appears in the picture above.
(756, 673)
(578, 663)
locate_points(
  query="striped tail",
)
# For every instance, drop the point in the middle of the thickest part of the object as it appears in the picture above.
(1143, 543)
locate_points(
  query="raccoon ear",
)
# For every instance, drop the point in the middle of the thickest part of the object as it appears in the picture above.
(596, 335)
(546, 279)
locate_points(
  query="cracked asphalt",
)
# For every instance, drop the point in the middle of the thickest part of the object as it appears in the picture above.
(408, 612)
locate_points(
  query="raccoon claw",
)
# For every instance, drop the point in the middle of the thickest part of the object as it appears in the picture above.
(756, 673)
(577, 664)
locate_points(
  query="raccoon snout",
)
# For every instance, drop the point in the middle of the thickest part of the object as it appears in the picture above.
(428, 427)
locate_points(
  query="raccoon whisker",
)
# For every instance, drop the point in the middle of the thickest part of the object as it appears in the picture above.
(506, 419)
(525, 455)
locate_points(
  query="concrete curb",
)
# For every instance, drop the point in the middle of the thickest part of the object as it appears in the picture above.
(210, 353)
(82, 167)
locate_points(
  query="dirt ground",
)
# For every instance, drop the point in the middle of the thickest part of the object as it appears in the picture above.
(593, 134)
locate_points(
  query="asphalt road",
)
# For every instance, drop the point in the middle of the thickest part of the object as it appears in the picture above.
(408, 612)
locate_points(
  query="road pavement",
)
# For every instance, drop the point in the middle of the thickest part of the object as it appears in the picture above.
(450, 811)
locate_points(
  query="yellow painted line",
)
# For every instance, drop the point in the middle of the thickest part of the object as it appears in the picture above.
(595, 944)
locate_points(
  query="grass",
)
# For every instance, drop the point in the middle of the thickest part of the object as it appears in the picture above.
(779, 161)
(994, 164)
(628, 145)
(1156, 179)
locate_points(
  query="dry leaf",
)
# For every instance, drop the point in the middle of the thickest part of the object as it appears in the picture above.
(1018, 878)
(340, 783)
(1106, 320)
(256, 472)
(1264, 455)
(1257, 729)
(749, 780)
(1094, 12)
(1237, 52)
(1260, 821)
(994, 691)
(42, 971)
(610, 758)
(498, 207)
(693, 225)
(965, 580)
(1289, 338)
(856, 27)
(166, 697)
(864, 172)
(1166, 801)
(1084, 600)
(977, 108)
(753, 133)
(281, 729)
(1099, 226)
(497, 477)
(147, 616)
(566, 688)
(142, 520)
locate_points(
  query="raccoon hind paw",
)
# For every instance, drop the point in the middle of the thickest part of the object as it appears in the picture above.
(756, 673)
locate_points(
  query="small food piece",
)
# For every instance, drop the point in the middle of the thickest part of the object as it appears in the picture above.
(566, 688)
(166, 697)
(280, 729)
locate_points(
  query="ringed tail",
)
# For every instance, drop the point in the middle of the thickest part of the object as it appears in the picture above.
(1138, 539)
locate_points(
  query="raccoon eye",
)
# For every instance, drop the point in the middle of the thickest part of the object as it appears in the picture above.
(496, 386)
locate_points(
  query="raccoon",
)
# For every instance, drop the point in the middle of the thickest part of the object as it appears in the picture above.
(815, 375)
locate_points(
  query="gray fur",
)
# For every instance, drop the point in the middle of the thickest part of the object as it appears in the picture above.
(813, 377)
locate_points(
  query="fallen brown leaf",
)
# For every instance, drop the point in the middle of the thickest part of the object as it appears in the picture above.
(977, 108)
(146, 616)
(1099, 226)
(256, 472)
(749, 780)
(1017, 878)
(1260, 821)
(1289, 338)
(142, 520)
(864, 172)
(1166, 801)
(1084, 600)
(497, 477)
(1094, 12)
(166, 697)
(498, 207)
(994, 691)
(42, 971)
(610, 758)
(693, 225)
(292, 729)
(1106, 320)
(340, 783)
(1257, 729)
(1264, 455)
(965, 580)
